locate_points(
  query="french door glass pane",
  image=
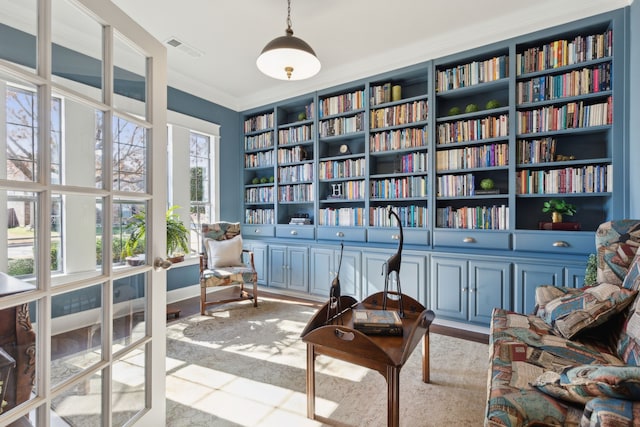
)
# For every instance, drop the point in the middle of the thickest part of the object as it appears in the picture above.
(129, 76)
(129, 221)
(21, 127)
(79, 405)
(129, 156)
(129, 386)
(19, 23)
(76, 333)
(21, 256)
(129, 310)
(76, 52)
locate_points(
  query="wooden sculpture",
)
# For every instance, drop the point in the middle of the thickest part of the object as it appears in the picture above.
(393, 265)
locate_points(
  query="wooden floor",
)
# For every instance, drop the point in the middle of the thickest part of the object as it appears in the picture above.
(191, 306)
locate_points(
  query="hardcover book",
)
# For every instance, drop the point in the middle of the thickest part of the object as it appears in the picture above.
(377, 322)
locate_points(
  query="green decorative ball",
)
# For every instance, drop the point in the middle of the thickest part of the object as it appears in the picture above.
(271, 179)
(255, 180)
(454, 111)
(494, 103)
(302, 116)
(263, 180)
(471, 108)
(486, 184)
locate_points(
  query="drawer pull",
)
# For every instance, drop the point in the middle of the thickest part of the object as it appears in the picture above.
(294, 232)
(257, 231)
(560, 244)
(395, 237)
(469, 240)
(340, 234)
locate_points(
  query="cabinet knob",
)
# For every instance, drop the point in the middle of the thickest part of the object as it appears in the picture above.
(560, 244)
(395, 237)
(464, 289)
(257, 231)
(294, 232)
(471, 290)
(340, 234)
(468, 240)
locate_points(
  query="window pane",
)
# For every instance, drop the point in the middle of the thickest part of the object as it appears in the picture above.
(76, 333)
(129, 310)
(129, 386)
(21, 210)
(129, 232)
(80, 405)
(129, 156)
(19, 23)
(22, 131)
(130, 76)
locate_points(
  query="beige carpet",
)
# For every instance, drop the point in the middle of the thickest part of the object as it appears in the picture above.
(246, 366)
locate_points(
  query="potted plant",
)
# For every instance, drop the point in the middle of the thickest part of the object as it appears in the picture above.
(177, 237)
(558, 208)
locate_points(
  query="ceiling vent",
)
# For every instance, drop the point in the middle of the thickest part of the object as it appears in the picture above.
(191, 51)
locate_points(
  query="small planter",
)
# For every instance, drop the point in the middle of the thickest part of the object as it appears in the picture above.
(135, 260)
(176, 259)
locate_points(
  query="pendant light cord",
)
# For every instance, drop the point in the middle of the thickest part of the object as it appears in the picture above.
(289, 30)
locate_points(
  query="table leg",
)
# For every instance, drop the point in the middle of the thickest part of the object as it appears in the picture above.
(311, 382)
(393, 396)
(425, 358)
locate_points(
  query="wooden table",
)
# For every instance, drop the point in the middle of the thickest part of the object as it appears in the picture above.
(385, 354)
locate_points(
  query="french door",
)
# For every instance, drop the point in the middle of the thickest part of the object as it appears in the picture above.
(83, 136)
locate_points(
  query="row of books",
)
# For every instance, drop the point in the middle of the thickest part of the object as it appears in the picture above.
(341, 103)
(473, 157)
(398, 139)
(568, 116)
(348, 190)
(472, 73)
(258, 195)
(399, 188)
(585, 179)
(456, 185)
(536, 151)
(295, 134)
(298, 173)
(349, 168)
(296, 193)
(290, 155)
(574, 83)
(473, 130)
(259, 216)
(494, 217)
(341, 216)
(560, 53)
(402, 114)
(341, 125)
(258, 142)
(414, 162)
(259, 160)
(256, 123)
(380, 94)
(410, 216)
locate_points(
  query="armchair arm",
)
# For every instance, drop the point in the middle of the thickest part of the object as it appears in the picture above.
(203, 262)
(250, 253)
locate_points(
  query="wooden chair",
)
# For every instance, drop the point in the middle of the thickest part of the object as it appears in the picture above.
(224, 262)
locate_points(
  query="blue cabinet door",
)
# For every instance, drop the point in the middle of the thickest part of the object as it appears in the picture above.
(298, 268)
(489, 287)
(412, 274)
(321, 271)
(350, 272)
(528, 277)
(278, 266)
(449, 287)
(260, 261)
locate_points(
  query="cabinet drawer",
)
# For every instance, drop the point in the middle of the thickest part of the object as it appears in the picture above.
(295, 232)
(258, 230)
(472, 239)
(555, 242)
(412, 236)
(352, 234)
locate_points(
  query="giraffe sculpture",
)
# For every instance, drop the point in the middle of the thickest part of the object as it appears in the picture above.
(335, 293)
(393, 265)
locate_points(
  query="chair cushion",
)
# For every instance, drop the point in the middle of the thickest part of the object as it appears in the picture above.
(632, 279)
(591, 306)
(608, 412)
(224, 253)
(616, 243)
(582, 383)
(227, 276)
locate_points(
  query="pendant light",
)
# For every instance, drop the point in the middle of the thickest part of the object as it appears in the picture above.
(288, 57)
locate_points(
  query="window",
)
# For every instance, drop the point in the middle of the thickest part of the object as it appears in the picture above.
(200, 193)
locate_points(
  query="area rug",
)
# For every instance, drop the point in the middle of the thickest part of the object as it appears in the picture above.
(245, 366)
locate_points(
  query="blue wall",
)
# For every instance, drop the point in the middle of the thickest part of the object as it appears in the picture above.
(634, 110)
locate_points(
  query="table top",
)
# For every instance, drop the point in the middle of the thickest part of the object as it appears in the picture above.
(10, 285)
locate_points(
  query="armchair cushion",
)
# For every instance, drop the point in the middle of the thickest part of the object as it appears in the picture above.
(224, 253)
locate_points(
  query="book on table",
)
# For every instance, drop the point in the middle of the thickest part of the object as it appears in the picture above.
(377, 322)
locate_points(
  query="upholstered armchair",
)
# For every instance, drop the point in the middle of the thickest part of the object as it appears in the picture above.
(224, 262)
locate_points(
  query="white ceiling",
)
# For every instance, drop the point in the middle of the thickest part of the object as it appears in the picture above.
(352, 38)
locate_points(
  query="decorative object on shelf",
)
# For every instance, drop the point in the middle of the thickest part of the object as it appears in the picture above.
(177, 237)
(391, 265)
(561, 226)
(302, 116)
(344, 149)
(336, 191)
(264, 180)
(288, 57)
(396, 93)
(453, 111)
(471, 108)
(487, 184)
(271, 178)
(493, 103)
(564, 158)
(255, 180)
(558, 208)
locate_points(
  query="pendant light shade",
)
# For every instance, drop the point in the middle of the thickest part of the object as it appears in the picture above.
(288, 57)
